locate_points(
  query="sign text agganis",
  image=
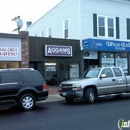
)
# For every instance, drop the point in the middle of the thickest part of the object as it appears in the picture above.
(56, 50)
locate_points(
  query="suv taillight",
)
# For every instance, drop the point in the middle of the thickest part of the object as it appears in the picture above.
(44, 86)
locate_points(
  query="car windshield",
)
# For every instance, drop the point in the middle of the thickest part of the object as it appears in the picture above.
(91, 73)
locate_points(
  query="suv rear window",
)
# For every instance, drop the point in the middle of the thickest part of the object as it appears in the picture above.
(31, 76)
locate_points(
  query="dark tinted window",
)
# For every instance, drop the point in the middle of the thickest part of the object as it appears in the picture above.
(16, 77)
(117, 72)
(9, 77)
(31, 76)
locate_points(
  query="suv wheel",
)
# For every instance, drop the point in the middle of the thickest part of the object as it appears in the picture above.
(69, 100)
(90, 95)
(27, 102)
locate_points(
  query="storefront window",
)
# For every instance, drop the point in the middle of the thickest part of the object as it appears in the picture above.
(121, 61)
(107, 59)
(9, 65)
(74, 70)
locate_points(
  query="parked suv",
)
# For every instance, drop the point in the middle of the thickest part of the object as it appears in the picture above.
(21, 86)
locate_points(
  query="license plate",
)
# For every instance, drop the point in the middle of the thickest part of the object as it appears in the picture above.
(64, 94)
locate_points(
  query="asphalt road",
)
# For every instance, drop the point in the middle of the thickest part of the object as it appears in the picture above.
(102, 115)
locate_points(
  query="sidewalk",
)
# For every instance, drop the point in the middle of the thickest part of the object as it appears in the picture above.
(53, 94)
(54, 98)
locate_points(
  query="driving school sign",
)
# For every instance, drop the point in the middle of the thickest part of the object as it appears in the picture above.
(56, 50)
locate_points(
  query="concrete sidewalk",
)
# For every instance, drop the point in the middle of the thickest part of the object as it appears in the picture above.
(54, 98)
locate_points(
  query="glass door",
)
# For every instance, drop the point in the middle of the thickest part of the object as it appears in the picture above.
(62, 72)
(50, 73)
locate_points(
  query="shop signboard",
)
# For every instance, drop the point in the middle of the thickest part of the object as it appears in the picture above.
(105, 45)
(10, 49)
(57, 50)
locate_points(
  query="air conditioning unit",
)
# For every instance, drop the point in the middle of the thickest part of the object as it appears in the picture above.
(90, 55)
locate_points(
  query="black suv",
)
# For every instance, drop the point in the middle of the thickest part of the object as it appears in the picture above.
(21, 86)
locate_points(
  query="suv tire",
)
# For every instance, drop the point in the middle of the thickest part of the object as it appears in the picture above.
(90, 95)
(27, 102)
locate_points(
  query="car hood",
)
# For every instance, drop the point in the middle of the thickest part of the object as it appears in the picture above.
(78, 80)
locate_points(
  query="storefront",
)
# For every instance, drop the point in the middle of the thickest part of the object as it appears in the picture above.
(107, 53)
(10, 53)
(56, 59)
(14, 50)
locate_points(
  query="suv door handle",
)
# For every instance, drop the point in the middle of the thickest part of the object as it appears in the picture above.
(113, 80)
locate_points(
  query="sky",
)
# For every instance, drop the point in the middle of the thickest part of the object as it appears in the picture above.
(28, 10)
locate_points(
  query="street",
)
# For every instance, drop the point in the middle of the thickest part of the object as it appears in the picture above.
(102, 115)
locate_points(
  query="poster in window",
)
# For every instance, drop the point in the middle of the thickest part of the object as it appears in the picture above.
(74, 70)
(107, 62)
(121, 62)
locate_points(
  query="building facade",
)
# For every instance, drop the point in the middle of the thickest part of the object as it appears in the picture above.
(104, 21)
(14, 50)
(56, 59)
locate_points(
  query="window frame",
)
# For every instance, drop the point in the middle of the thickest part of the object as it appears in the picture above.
(66, 30)
(42, 32)
(106, 18)
(49, 31)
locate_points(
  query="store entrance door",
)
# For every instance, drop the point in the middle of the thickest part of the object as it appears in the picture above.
(62, 72)
(55, 73)
(91, 63)
(50, 73)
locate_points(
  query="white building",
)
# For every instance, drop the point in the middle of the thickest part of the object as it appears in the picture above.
(104, 24)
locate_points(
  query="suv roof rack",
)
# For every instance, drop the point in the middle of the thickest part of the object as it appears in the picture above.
(16, 69)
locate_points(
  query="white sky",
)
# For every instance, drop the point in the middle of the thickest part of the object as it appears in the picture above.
(28, 10)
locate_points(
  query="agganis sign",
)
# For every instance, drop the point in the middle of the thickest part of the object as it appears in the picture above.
(56, 50)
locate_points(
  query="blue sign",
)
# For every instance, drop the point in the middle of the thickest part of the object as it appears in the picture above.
(105, 45)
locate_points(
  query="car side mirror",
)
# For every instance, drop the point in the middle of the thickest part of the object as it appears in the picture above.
(103, 76)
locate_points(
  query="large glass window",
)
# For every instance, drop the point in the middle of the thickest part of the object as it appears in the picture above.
(107, 59)
(121, 61)
(74, 70)
(106, 26)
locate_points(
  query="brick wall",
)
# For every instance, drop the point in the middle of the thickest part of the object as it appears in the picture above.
(25, 50)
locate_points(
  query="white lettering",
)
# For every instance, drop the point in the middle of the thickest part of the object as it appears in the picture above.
(49, 50)
(59, 50)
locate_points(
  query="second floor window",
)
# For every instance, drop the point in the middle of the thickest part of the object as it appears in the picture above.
(66, 28)
(106, 26)
(50, 32)
(42, 33)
